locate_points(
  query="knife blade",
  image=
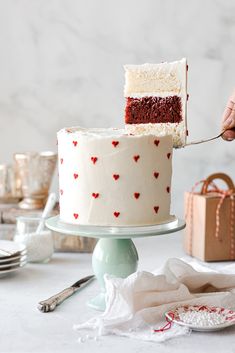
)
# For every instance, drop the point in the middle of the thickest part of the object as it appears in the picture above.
(51, 303)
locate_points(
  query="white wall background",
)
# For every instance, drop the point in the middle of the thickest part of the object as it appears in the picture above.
(61, 65)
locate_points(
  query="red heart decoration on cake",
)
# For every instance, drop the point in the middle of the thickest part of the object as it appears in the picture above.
(116, 214)
(75, 143)
(61, 160)
(116, 176)
(136, 158)
(168, 155)
(75, 176)
(94, 159)
(156, 174)
(61, 192)
(156, 142)
(156, 208)
(137, 195)
(115, 143)
(168, 189)
(95, 195)
(75, 215)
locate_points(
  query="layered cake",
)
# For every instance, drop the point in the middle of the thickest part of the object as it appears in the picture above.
(156, 99)
(109, 177)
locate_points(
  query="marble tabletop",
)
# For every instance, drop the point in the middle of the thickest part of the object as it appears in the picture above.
(24, 329)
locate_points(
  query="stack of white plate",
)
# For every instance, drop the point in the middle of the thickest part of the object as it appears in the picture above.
(12, 256)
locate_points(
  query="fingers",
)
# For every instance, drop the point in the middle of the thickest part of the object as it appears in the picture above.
(229, 123)
(228, 119)
(229, 108)
(229, 135)
(226, 113)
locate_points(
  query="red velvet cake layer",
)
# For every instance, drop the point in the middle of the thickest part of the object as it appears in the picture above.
(153, 110)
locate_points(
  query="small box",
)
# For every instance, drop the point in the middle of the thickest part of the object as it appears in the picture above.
(210, 216)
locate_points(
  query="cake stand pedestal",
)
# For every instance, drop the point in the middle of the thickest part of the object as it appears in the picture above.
(115, 252)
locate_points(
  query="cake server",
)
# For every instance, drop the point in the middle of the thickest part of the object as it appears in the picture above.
(51, 303)
(197, 142)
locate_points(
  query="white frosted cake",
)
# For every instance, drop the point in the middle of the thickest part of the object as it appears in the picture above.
(156, 99)
(108, 177)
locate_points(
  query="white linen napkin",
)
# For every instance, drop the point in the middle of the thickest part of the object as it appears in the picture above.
(135, 306)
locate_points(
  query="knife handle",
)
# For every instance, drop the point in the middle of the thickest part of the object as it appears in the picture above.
(51, 303)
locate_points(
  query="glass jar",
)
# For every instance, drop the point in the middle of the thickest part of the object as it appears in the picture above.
(39, 245)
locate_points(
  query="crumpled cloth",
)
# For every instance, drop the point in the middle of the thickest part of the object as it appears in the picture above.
(135, 306)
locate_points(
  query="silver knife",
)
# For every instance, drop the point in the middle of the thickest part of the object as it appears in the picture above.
(51, 303)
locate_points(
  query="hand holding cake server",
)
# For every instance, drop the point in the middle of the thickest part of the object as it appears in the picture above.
(228, 119)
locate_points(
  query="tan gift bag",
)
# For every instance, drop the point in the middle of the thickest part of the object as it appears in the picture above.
(210, 215)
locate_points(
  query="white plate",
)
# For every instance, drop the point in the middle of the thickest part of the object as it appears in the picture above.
(5, 273)
(10, 259)
(13, 264)
(10, 248)
(228, 315)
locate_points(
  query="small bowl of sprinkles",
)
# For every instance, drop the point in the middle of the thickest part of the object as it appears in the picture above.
(202, 317)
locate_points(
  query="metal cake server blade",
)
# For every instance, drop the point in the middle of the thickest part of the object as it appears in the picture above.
(51, 303)
(197, 142)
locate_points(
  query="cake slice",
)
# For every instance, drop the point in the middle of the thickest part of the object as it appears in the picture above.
(156, 99)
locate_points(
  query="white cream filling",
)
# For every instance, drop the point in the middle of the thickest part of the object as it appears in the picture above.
(156, 78)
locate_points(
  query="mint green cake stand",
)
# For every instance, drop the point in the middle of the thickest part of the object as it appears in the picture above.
(115, 252)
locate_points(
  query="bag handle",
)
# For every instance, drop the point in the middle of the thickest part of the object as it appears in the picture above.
(220, 176)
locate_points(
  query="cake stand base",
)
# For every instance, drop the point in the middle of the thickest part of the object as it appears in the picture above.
(117, 257)
(115, 253)
(98, 302)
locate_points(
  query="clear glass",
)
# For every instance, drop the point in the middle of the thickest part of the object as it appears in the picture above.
(34, 171)
(39, 242)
